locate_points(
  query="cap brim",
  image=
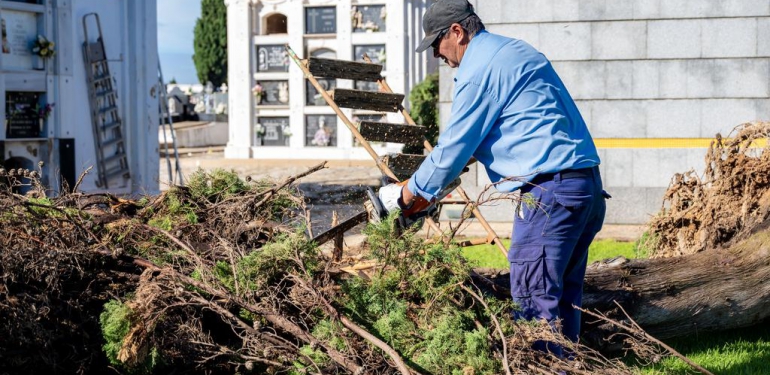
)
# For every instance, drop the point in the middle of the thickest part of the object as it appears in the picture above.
(426, 42)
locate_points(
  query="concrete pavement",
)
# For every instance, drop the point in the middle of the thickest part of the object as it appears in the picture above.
(340, 174)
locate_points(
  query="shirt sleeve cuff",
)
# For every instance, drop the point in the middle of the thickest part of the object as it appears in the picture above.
(412, 186)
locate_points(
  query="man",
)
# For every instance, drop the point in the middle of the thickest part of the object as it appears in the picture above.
(512, 112)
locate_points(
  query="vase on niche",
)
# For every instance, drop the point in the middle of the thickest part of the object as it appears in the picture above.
(42, 126)
(38, 63)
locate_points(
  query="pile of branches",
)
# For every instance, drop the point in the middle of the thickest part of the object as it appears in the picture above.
(726, 203)
(220, 276)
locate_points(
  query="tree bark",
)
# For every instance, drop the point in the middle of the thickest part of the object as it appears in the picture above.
(712, 290)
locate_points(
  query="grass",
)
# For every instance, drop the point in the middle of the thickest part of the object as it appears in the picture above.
(488, 256)
(743, 351)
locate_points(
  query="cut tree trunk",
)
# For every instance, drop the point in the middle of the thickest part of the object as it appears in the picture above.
(712, 290)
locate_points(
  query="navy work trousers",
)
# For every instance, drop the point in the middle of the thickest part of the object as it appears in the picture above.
(553, 227)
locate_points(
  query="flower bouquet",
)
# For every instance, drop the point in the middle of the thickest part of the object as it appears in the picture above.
(258, 92)
(44, 111)
(259, 130)
(43, 47)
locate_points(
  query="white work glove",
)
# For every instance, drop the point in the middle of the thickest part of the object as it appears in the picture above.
(390, 197)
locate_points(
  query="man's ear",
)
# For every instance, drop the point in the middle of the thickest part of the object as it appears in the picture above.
(458, 34)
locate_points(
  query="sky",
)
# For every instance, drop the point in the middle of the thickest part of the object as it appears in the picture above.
(176, 21)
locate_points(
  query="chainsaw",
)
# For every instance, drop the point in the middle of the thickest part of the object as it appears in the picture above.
(412, 215)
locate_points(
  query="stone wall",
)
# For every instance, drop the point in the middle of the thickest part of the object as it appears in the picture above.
(645, 69)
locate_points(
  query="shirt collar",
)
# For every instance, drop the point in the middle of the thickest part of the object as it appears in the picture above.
(476, 42)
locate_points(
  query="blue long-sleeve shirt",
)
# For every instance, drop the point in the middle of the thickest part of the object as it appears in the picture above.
(512, 112)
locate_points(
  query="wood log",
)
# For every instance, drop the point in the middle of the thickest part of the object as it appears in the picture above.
(369, 100)
(329, 68)
(713, 290)
(387, 132)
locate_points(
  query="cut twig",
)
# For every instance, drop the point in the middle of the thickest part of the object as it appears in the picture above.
(635, 329)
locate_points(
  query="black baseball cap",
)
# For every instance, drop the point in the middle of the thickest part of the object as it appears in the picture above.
(441, 15)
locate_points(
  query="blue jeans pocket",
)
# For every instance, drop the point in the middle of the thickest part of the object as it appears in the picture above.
(527, 270)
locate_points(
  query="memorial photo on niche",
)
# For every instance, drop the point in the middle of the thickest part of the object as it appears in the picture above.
(272, 58)
(376, 53)
(321, 130)
(320, 20)
(368, 18)
(272, 93)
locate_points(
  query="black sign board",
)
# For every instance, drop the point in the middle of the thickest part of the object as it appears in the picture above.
(275, 128)
(367, 86)
(374, 118)
(320, 20)
(376, 53)
(368, 18)
(21, 115)
(321, 130)
(272, 58)
(274, 93)
(313, 97)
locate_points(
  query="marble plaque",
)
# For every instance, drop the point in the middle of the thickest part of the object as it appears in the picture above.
(320, 20)
(272, 58)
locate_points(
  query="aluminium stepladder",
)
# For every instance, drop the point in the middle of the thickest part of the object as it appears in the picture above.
(111, 159)
(395, 166)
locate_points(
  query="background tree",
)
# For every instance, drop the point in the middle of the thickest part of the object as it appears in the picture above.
(210, 43)
(423, 101)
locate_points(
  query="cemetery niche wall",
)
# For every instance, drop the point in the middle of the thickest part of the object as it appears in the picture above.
(345, 30)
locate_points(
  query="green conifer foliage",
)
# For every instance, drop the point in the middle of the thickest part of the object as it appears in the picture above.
(210, 43)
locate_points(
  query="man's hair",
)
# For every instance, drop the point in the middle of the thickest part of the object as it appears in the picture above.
(472, 25)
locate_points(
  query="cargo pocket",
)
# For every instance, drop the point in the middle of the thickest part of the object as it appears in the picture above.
(527, 271)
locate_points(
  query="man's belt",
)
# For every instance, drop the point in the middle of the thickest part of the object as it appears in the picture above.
(565, 174)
